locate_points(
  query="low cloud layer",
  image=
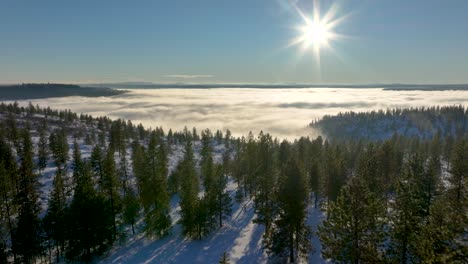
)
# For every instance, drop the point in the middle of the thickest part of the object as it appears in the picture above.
(285, 113)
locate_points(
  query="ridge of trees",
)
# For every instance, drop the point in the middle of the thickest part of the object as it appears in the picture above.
(420, 122)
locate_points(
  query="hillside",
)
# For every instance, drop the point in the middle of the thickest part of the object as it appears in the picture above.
(380, 125)
(75, 188)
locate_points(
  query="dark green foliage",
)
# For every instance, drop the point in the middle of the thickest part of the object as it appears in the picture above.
(27, 236)
(42, 149)
(59, 146)
(189, 201)
(219, 201)
(97, 158)
(334, 171)
(354, 229)
(150, 168)
(55, 219)
(459, 175)
(441, 239)
(408, 212)
(8, 190)
(90, 219)
(265, 181)
(109, 187)
(131, 207)
(290, 235)
(224, 259)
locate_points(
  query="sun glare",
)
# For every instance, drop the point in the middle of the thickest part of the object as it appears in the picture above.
(317, 31)
(315, 34)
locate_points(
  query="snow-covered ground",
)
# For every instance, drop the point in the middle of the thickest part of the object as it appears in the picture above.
(239, 237)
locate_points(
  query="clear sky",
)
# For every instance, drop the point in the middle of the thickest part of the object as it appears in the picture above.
(242, 41)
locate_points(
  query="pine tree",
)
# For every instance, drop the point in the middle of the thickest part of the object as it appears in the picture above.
(334, 172)
(156, 194)
(55, 218)
(9, 188)
(7, 205)
(58, 145)
(408, 212)
(440, 240)
(458, 175)
(97, 158)
(109, 187)
(353, 231)
(131, 207)
(266, 176)
(188, 193)
(12, 133)
(130, 202)
(90, 219)
(290, 235)
(27, 242)
(224, 259)
(42, 146)
(219, 201)
(315, 170)
(202, 217)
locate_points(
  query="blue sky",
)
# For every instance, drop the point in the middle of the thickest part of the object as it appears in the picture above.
(243, 41)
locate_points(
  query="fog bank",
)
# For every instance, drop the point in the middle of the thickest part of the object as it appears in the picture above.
(285, 113)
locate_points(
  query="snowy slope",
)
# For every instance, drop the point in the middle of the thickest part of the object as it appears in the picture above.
(239, 237)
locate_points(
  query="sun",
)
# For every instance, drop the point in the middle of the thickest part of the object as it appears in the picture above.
(315, 33)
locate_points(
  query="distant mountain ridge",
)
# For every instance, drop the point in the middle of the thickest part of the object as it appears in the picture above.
(47, 90)
(394, 87)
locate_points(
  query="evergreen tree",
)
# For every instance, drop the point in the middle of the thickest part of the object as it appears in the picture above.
(440, 240)
(266, 176)
(55, 219)
(156, 195)
(131, 207)
(290, 235)
(408, 212)
(27, 237)
(7, 207)
(334, 172)
(354, 229)
(219, 201)
(97, 158)
(90, 219)
(42, 147)
(9, 188)
(109, 187)
(202, 217)
(459, 175)
(224, 259)
(189, 193)
(58, 145)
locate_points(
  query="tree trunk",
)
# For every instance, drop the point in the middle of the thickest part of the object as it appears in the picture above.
(291, 247)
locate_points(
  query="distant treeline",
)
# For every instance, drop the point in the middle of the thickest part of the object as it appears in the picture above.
(46, 90)
(395, 87)
(410, 122)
